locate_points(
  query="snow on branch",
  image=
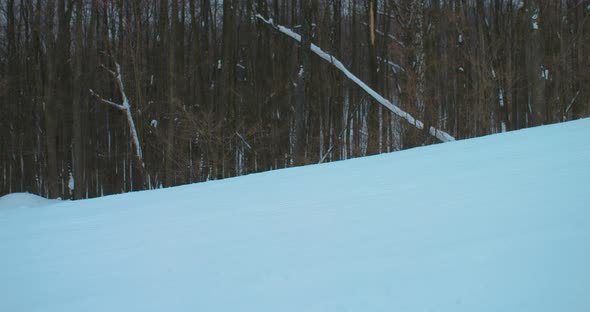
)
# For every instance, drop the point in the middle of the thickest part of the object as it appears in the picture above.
(125, 107)
(439, 134)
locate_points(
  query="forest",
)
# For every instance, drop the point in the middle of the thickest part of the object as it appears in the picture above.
(101, 97)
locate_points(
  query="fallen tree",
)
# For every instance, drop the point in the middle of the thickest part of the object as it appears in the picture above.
(439, 134)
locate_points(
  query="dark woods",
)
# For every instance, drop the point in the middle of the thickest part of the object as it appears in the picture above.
(214, 92)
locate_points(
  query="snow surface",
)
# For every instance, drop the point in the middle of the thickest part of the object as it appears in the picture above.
(499, 223)
(24, 200)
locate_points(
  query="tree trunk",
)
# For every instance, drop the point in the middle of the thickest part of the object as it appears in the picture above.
(536, 71)
(171, 94)
(78, 105)
(303, 77)
(50, 111)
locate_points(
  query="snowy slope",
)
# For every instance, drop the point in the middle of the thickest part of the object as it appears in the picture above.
(499, 223)
(24, 200)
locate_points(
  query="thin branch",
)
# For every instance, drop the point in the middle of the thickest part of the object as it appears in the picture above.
(243, 140)
(100, 98)
(386, 14)
(390, 36)
(572, 102)
(395, 66)
(108, 70)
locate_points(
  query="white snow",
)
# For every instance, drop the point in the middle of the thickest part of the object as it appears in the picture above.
(535, 19)
(24, 200)
(544, 73)
(71, 183)
(498, 223)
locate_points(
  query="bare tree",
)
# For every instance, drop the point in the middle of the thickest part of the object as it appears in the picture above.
(125, 107)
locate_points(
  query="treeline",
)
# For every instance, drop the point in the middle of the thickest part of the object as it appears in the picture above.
(215, 92)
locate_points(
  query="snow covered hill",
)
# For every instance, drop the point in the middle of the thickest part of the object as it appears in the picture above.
(499, 223)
